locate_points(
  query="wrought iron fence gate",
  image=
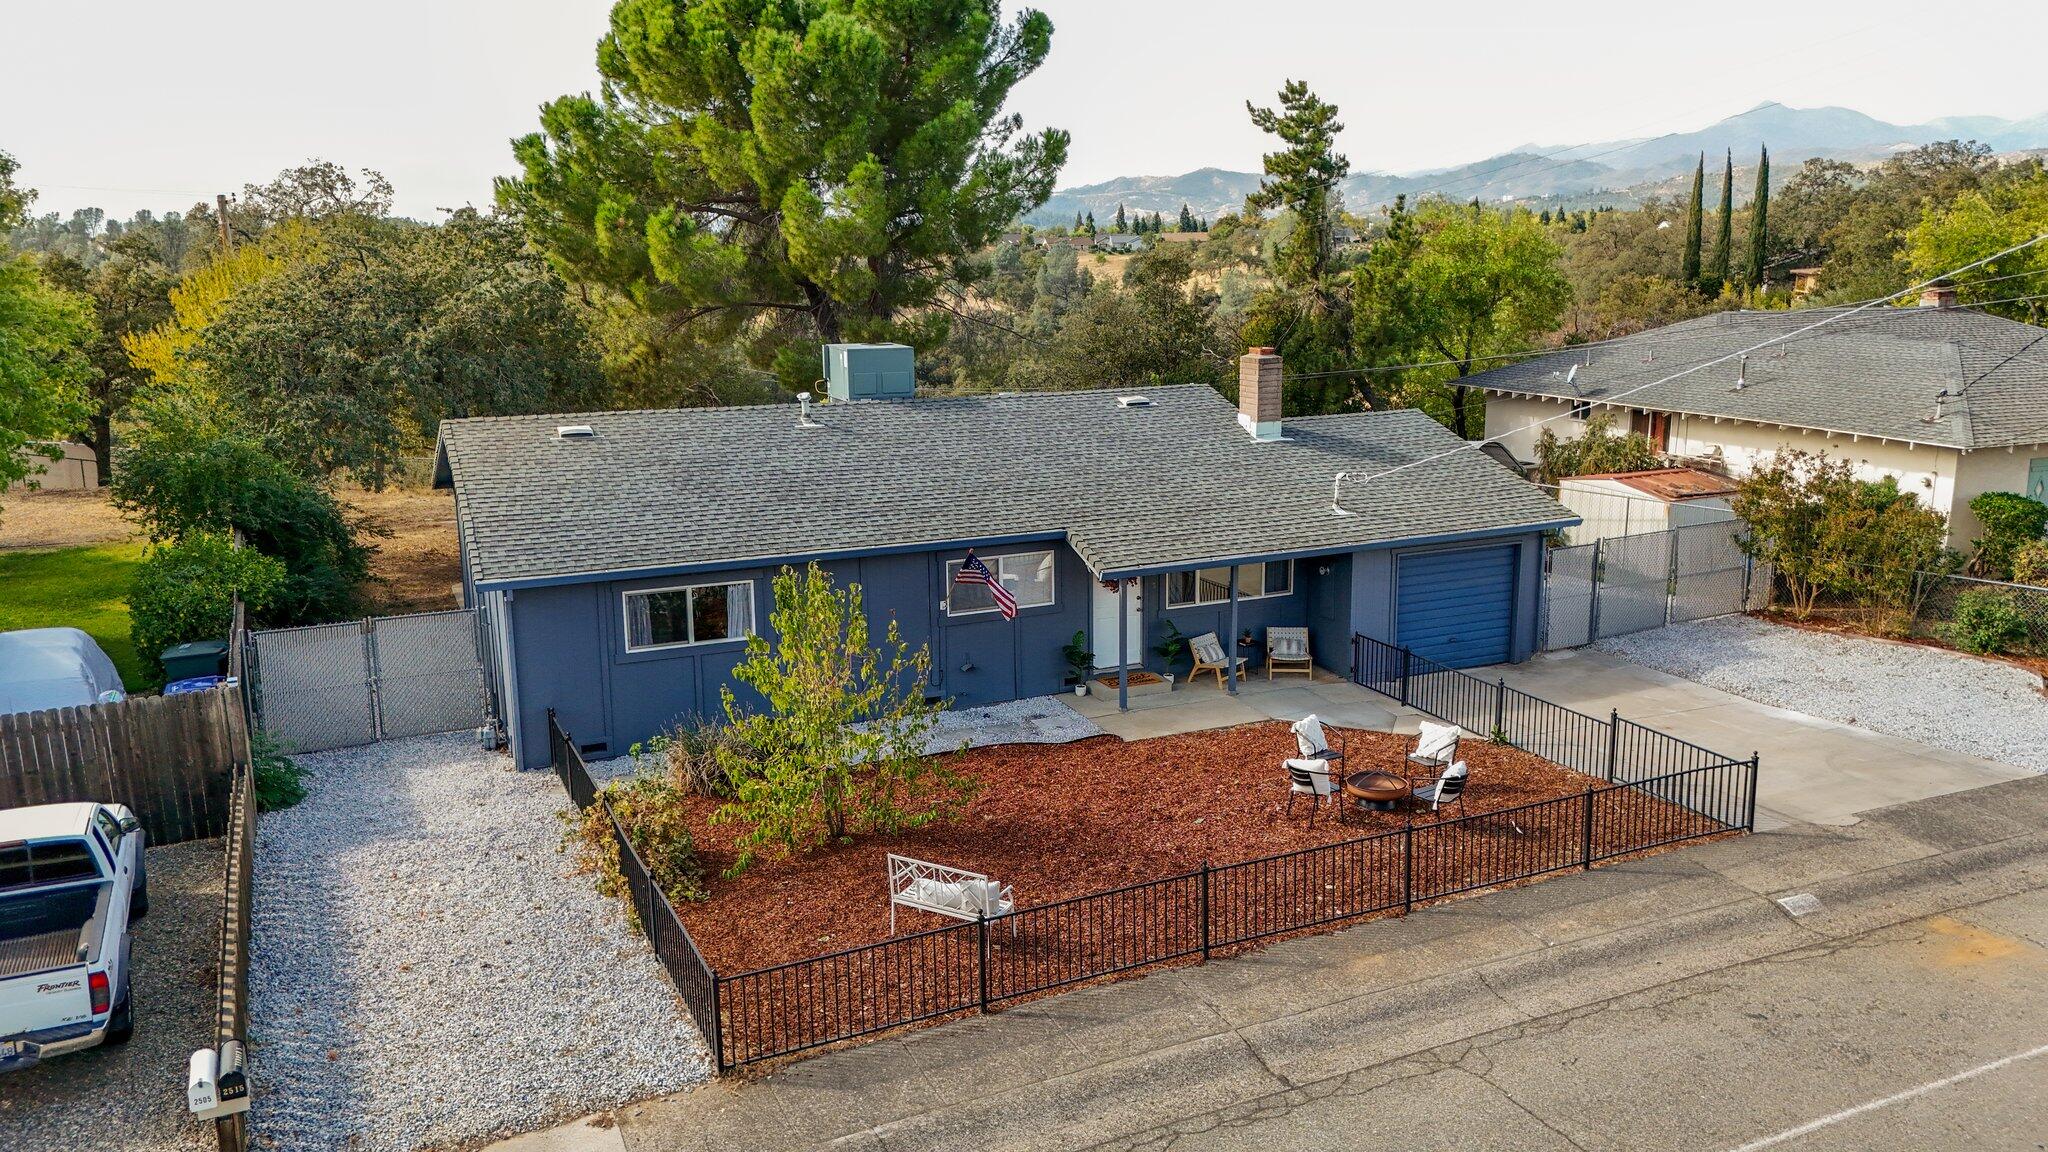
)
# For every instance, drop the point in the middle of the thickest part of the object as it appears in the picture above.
(340, 685)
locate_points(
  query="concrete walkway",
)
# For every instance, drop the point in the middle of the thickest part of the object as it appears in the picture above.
(1668, 1003)
(1157, 710)
(1813, 771)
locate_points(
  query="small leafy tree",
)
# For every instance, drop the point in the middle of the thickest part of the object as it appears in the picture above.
(185, 470)
(1823, 530)
(186, 591)
(1986, 622)
(840, 748)
(1599, 449)
(2010, 522)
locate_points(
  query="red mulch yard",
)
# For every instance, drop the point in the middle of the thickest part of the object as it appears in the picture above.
(1058, 821)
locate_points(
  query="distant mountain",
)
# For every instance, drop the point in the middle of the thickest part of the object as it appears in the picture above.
(1613, 171)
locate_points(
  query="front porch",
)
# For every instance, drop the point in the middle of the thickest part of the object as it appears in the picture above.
(1163, 710)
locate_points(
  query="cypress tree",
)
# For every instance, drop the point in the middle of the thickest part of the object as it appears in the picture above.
(1077, 223)
(1120, 222)
(1689, 266)
(1090, 226)
(1187, 219)
(1724, 230)
(1759, 221)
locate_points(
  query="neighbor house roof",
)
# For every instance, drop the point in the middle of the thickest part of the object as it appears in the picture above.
(1667, 483)
(1132, 489)
(1875, 373)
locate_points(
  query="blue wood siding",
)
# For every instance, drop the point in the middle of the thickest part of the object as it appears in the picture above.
(1457, 606)
(570, 648)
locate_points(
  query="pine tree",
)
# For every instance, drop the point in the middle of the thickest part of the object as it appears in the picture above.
(1077, 223)
(1090, 226)
(1121, 223)
(1689, 266)
(1759, 221)
(1545, 217)
(1724, 231)
(1187, 219)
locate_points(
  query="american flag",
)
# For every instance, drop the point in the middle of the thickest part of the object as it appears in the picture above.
(973, 571)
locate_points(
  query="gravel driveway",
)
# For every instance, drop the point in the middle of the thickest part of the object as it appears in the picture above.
(1976, 707)
(425, 970)
(133, 1097)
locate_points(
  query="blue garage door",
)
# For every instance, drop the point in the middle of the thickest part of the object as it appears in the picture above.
(1457, 607)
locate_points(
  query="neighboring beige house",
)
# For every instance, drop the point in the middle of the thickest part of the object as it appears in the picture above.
(78, 469)
(1950, 401)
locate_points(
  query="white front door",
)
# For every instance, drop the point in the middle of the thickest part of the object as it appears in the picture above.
(1104, 631)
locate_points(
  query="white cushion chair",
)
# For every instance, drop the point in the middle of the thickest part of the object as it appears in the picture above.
(1448, 788)
(1207, 650)
(1313, 779)
(1436, 745)
(1287, 651)
(1314, 743)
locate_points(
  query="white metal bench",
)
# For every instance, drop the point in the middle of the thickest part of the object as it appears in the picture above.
(953, 892)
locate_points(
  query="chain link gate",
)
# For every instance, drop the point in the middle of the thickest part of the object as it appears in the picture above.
(340, 685)
(1622, 584)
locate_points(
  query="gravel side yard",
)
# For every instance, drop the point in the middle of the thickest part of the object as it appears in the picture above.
(1976, 707)
(427, 973)
(133, 1097)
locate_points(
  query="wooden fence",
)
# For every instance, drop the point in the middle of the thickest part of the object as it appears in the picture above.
(169, 758)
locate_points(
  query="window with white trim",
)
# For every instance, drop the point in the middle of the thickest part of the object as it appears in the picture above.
(1027, 575)
(696, 614)
(1212, 585)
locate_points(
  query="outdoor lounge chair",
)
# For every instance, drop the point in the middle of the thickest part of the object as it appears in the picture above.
(1287, 651)
(944, 891)
(1436, 745)
(1313, 779)
(1314, 743)
(1208, 655)
(1448, 788)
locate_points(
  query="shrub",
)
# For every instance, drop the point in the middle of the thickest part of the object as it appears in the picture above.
(2011, 522)
(1824, 530)
(840, 747)
(689, 754)
(1986, 621)
(187, 471)
(279, 782)
(1598, 449)
(2030, 563)
(651, 807)
(186, 591)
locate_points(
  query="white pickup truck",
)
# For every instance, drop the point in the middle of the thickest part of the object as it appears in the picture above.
(71, 878)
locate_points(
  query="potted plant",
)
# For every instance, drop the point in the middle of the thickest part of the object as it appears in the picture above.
(1172, 647)
(1079, 661)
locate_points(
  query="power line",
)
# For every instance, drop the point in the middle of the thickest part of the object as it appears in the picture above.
(1337, 483)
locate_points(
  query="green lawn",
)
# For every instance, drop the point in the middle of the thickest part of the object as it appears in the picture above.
(74, 588)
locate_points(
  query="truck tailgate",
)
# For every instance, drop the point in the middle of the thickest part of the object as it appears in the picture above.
(43, 1001)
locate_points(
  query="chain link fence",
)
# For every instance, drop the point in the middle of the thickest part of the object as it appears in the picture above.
(340, 685)
(1622, 584)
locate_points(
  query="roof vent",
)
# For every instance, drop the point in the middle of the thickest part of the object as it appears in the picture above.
(803, 407)
(575, 432)
(1742, 374)
(1134, 401)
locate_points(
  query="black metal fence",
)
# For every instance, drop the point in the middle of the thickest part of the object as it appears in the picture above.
(666, 936)
(1655, 790)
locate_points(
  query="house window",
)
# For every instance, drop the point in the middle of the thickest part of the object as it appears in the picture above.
(1212, 585)
(699, 614)
(1027, 575)
(1581, 410)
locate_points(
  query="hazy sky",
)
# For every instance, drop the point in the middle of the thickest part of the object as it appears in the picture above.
(130, 105)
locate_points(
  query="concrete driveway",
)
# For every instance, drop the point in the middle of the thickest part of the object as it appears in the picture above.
(1814, 771)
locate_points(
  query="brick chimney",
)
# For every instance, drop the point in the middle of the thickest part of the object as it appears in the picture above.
(1258, 393)
(1938, 296)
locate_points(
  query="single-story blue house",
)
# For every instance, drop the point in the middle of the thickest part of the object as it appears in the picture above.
(620, 559)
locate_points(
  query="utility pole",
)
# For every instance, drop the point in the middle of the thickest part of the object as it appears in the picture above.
(227, 235)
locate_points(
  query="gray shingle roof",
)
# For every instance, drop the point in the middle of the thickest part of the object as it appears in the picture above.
(1132, 489)
(1872, 374)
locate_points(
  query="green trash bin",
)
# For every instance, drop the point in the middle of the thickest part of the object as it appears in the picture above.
(195, 658)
